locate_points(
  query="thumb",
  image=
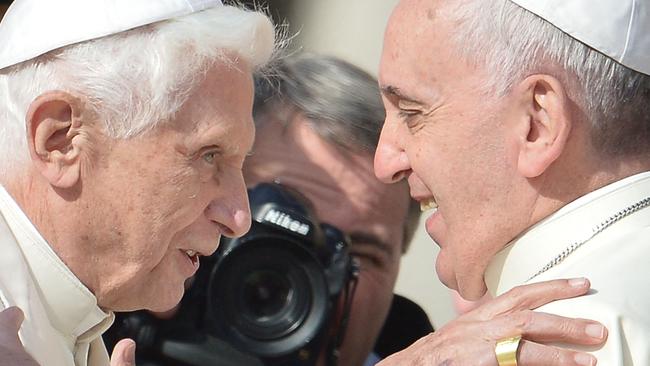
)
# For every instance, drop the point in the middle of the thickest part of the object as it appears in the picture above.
(11, 318)
(123, 353)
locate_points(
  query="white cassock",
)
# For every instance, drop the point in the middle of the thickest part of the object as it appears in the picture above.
(616, 260)
(63, 324)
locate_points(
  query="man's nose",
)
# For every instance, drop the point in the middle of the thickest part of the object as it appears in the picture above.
(391, 161)
(231, 211)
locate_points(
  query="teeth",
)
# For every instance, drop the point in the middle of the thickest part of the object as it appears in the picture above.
(429, 204)
(190, 253)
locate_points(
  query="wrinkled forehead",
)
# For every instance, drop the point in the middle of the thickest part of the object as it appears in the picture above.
(417, 43)
(422, 22)
(226, 89)
(219, 110)
(415, 17)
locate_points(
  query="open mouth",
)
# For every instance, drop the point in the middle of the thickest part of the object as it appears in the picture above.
(193, 256)
(428, 204)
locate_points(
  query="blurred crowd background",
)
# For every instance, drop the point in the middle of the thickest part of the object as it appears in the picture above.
(353, 30)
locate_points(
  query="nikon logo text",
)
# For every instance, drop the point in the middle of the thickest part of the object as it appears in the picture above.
(283, 220)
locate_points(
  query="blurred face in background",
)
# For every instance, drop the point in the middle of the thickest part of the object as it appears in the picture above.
(344, 193)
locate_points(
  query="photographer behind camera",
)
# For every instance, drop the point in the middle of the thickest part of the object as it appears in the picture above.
(318, 124)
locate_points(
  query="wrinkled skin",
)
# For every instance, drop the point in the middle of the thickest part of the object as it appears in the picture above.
(450, 140)
(124, 223)
(470, 339)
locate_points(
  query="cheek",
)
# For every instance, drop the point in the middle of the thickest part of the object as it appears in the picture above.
(161, 228)
(187, 182)
(434, 163)
(161, 286)
(369, 310)
(184, 199)
(419, 155)
(371, 301)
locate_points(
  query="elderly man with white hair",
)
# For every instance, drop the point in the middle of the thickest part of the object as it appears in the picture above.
(123, 128)
(526, 123)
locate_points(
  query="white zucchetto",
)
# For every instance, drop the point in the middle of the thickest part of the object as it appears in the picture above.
(620, 29)
(31, 28)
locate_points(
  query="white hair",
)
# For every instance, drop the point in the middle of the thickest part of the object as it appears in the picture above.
(134, 80)
(514, 43)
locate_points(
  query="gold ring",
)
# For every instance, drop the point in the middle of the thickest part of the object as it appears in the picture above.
(506, 351)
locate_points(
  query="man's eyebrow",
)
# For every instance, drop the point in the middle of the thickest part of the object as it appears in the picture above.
(372, 240)
(395, 91)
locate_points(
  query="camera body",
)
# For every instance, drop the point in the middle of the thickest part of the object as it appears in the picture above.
(278, 295)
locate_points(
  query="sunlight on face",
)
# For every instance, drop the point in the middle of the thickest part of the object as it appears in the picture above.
(173, 190)
(445, 135)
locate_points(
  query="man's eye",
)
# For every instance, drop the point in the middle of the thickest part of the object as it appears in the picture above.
(367, 260)
(411, 118)
(209, 157)
(407, 113)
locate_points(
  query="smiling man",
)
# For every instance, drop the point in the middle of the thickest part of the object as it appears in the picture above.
(527, 125)
(318, 127)
(123, 151)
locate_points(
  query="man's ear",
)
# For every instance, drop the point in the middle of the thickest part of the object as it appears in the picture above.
(545, 123)
(54, 133)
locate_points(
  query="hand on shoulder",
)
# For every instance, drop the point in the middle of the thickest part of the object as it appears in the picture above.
(471, 339)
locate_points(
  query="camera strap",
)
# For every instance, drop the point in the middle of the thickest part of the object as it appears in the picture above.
(336, 341)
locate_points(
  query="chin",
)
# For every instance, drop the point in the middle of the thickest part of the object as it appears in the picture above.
(445, 274)
(167, 304)
(162, 299)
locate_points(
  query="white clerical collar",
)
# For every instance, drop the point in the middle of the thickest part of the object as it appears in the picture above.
(524, 256)
(71, 307)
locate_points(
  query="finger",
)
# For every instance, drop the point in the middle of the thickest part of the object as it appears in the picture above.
(534, 354)
(531, 297)
(544, 328)
(11, 319)
(123, 353)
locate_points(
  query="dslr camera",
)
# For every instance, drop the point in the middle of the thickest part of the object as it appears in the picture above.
(279, 295)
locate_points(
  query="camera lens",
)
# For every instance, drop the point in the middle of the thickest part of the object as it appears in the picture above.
(267, 305)
(266, 293)
(269, 297)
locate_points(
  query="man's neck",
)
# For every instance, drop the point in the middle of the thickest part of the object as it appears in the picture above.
(572, 181)
(546, 244)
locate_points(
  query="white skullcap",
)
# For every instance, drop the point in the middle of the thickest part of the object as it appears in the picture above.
(31, 28)
(619, 29)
